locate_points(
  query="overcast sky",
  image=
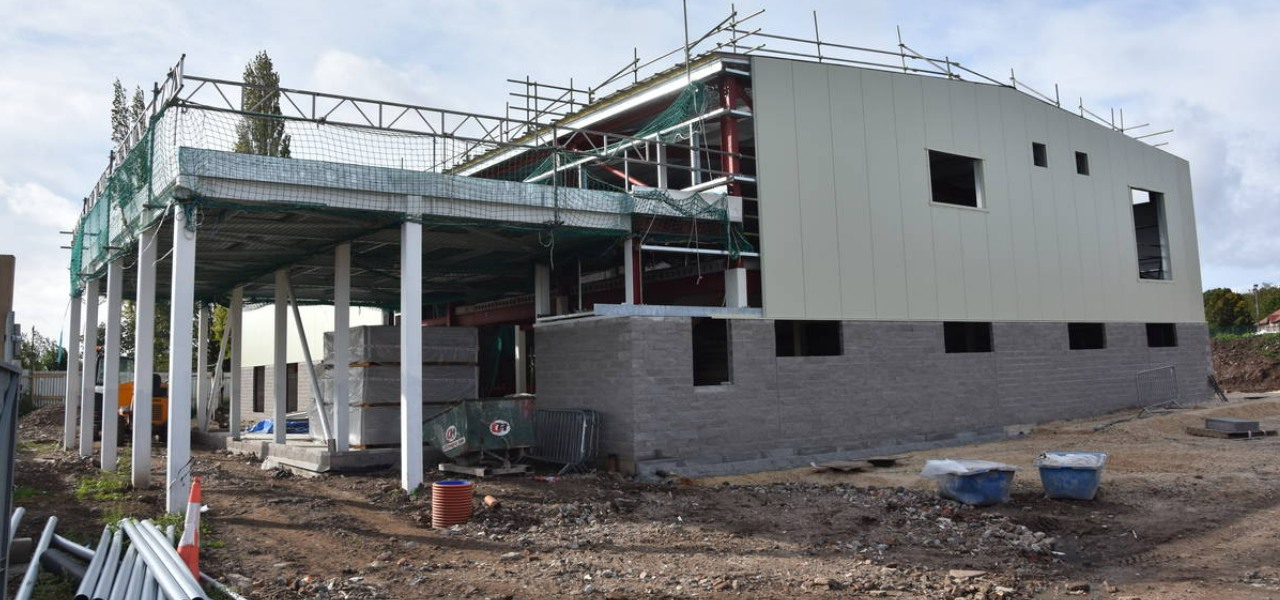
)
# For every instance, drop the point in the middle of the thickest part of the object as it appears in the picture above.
(1205, 69)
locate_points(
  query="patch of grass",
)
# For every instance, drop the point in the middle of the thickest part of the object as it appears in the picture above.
(37, 447)
(103, 486)
(25, 492)
(52, 587)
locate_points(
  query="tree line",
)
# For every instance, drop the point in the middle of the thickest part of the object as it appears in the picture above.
(262, 135)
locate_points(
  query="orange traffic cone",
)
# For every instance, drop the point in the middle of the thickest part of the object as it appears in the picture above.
(189, 545)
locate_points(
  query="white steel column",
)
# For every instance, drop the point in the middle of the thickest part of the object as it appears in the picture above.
(202, 368)
(411, 471)
(522, 370)
(341, 340)
(735, 287)
(73, 377)
(88, 372)
(182, 305)
(541, 290)
(629, 267)
(144, 345)
(111, 364)
(662, 166)
(233, 327)
(281, 374)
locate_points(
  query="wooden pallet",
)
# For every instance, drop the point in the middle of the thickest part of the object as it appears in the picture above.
(1230, 435)
(483, 471)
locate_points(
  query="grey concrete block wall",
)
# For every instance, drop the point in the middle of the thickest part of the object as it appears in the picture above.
(894, 387)
(305, 397)
(589, 365)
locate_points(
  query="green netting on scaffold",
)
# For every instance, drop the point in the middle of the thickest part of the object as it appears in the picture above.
(188, 157)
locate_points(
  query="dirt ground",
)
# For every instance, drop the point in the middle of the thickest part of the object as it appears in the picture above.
(1248, 364)
(1177, 517)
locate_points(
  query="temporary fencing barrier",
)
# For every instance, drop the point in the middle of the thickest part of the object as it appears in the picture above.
(1158, 386)
(569, 437)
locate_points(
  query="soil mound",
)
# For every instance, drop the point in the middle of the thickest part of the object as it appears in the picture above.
(1250, 364)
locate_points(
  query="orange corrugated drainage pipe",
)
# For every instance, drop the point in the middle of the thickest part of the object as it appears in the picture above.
(450, 502)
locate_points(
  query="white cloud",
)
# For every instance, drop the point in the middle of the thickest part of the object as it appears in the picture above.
(30, 218)
(33, 204)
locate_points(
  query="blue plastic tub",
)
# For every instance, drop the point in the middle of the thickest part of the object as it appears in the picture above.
(977, 489)
(1072, 482)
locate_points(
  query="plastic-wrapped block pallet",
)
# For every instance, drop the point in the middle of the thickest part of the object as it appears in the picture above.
(369, 426)
(375, 398)
(381, 344)
(381, 384)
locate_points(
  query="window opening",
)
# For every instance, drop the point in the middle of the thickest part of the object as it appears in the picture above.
(291, 388)
(710, 351)
(1162, 335)
(259, 389)
(1087, 336)
(1150, 232)
(966, 337)
(808, 338)
(1039, 154)
(1082, 163)
(955, 179)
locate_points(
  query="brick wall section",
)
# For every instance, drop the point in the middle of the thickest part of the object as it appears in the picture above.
(589, 365)
(894, 388)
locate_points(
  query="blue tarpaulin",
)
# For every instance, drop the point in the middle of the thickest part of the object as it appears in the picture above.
(269, 426)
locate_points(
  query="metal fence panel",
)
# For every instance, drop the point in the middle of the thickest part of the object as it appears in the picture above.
(567, 437)
(1158, 386)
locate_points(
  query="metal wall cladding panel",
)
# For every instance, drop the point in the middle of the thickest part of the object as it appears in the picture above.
(1048, 244)
(381, 344)
(381, 384)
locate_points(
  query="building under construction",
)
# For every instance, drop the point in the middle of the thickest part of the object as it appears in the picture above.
(755, 258)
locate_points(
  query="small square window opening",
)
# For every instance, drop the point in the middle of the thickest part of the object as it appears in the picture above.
(1039, 154)
(966, 337)
(1087, 336)
(1082, 163)
(808, 338)
(955, 179)
(1162, 335)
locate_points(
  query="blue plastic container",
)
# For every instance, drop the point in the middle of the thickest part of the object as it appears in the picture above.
(977, 489)
(1072, 482)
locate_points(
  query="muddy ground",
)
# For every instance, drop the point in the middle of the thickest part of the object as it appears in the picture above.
(1177, 517)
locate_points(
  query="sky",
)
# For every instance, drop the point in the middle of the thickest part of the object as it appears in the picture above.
(1203, 69)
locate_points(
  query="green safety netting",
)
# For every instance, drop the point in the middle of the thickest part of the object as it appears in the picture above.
(689, 103)
(351, 172)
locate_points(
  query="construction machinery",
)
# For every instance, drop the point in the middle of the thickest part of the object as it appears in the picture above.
(124, 412)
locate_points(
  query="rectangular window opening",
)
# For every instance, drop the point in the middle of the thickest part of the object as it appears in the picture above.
(955, 179)
(1150, 232)
(291, 388)
(711, 352)
(1039, 154)
(966, 337)
(259, 389)
(1087, 336)
(1082, 163)
(1162, 335)
(808, 338)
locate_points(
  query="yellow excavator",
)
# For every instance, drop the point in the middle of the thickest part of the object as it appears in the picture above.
(124, 413)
